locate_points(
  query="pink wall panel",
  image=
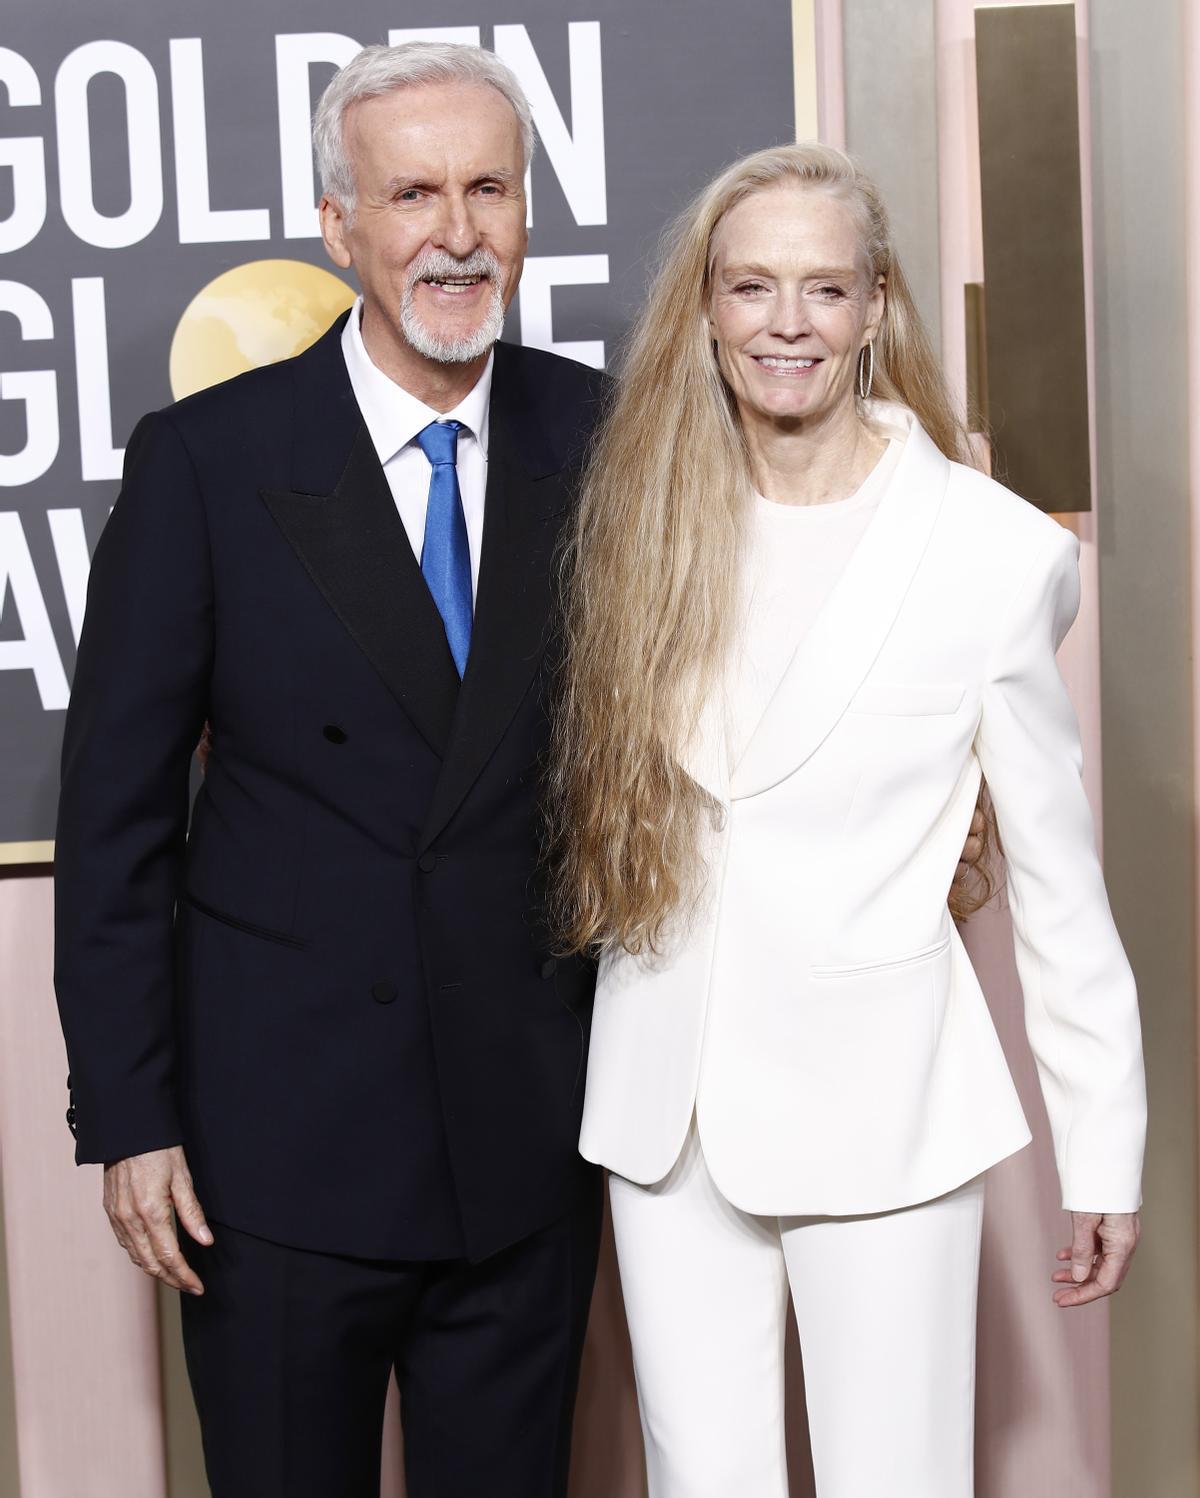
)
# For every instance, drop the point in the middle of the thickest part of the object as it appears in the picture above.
(1042, 1391)
(84, 1330)
(831, 72)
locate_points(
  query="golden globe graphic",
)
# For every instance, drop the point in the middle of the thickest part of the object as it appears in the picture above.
(252, 315)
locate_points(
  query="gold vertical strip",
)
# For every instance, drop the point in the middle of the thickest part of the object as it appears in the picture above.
(804, 67)
(977, 387)
(1030, 178)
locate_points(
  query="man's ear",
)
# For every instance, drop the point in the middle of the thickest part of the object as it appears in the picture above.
(333, 232)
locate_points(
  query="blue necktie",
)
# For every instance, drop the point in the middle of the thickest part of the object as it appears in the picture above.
(445, 555)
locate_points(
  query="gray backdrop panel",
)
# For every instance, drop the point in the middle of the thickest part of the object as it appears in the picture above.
(686, 88)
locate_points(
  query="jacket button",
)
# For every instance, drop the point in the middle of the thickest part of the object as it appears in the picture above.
(427, 863)
(334, 734)
(383, 993)
(549, 967)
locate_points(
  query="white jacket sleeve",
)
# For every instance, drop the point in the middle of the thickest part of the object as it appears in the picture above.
(1081, 1010)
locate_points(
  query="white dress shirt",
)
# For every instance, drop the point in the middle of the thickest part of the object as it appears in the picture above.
(394, 418)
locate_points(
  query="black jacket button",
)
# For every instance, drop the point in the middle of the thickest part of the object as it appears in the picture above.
(427, 863)
(334, 734)
(549, 967)
(383, 993)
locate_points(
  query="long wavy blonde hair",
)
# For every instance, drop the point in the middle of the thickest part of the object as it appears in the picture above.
(650, 572)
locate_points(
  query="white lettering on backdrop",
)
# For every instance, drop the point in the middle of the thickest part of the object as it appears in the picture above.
(575, 153)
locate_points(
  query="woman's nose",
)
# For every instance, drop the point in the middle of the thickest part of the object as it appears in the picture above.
(790, 315)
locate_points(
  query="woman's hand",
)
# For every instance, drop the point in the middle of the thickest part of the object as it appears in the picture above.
(1102, 1245)
(972, 849)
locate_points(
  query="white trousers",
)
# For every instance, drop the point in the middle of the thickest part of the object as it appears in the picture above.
(885, 1307)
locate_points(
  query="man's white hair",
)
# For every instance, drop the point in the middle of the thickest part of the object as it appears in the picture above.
(381, 70)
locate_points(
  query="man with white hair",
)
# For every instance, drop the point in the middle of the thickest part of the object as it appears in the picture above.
(328, 1027)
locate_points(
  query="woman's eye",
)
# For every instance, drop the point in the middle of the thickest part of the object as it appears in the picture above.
(749, 288)
(835, 293)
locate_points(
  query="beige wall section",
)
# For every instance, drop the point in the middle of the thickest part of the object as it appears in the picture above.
(8, 1408)
(181, 1429)
(1144, 531)
(891, 123)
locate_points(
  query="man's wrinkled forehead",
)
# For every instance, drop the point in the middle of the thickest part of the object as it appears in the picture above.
(436, 129)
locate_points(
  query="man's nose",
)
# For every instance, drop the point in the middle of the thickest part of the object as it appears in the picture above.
(457, 232)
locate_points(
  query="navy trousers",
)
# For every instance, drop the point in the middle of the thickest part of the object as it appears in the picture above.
(290, 1352)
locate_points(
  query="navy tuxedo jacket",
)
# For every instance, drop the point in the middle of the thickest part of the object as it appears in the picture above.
(336, 989)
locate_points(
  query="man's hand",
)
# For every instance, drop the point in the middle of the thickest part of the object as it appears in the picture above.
(1102, 1244)
(138, 1196)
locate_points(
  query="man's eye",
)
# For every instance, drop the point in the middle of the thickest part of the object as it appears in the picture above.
(490, 189)
(409, 195)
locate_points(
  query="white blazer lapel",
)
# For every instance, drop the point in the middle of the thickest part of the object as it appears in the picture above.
(848, 633)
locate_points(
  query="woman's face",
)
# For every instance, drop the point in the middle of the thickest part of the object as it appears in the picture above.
(792, 304)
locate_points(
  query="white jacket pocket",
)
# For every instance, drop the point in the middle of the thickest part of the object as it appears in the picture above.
(894, 699)
(883, 965)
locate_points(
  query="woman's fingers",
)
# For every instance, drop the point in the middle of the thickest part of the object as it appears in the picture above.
(1084, 1244)
(1114, 1238)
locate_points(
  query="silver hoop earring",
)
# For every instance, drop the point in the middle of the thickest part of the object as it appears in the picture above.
(866, 369)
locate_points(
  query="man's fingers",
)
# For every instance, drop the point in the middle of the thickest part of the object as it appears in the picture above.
(139, 1194)
(139, 1247)
(174, 1268)
(189, 1210)
(118, 1203)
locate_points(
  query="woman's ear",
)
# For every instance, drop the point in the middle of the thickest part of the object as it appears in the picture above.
(878, 306)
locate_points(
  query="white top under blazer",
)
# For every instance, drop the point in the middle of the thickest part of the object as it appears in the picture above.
(819, 1011)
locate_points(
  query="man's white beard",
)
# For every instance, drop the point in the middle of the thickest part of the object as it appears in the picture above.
(467, 346)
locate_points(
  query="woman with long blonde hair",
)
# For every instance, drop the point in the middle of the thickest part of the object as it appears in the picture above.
(801, 628)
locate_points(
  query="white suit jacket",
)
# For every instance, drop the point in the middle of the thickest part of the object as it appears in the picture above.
(819, 1010)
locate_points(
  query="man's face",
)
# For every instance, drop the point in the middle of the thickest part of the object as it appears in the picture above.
(438, 236)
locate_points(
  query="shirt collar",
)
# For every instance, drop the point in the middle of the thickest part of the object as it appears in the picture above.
(393, 417)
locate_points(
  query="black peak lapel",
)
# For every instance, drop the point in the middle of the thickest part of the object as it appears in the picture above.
(354, 546)
(527, 494)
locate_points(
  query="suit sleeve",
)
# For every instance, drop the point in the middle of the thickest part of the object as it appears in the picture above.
(1081, 1010)
(138, 705)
